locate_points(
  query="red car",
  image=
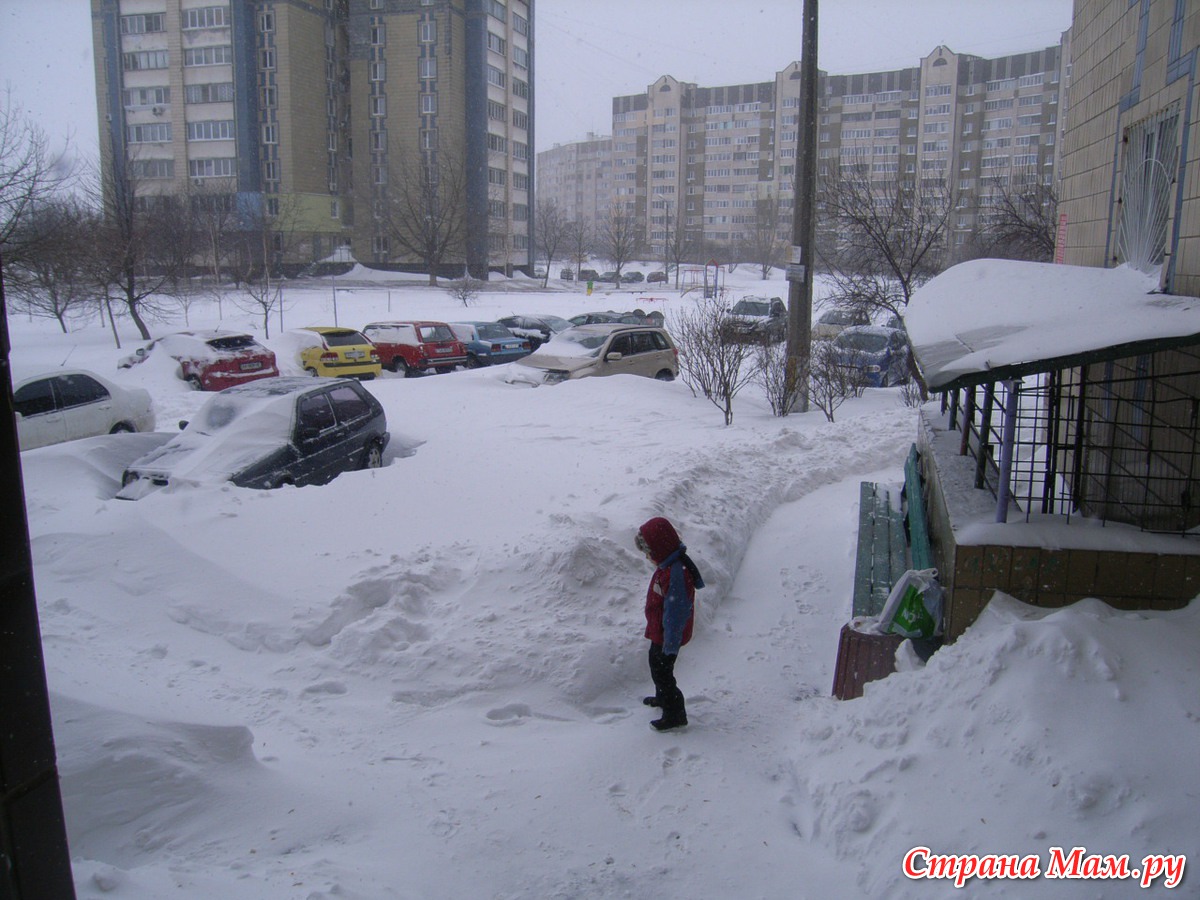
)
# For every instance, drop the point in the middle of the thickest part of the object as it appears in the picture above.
(414, 347)
(212, 360)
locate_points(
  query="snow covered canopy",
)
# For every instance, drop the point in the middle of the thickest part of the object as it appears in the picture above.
(991, 319)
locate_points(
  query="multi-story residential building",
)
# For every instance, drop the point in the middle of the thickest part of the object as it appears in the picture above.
(576, 178)
(262, 104)
(713, 160)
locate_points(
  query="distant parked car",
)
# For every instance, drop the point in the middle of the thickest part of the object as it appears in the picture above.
(535, 329)
(211, 360)
(73, 403)
(596, 318)
(567, 275)
(266, 434)
(755, 318)
(416, 347)
(489, 343)
(601, 350)
(609, 277)
(656, 278)
(879, 354)
(633, 278)
(833, 322)
(337, 352)
(589, 275)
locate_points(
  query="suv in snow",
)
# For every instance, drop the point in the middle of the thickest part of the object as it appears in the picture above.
(415, 347)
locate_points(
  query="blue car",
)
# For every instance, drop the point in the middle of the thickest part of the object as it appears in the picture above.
(879, 354)
(489, 343)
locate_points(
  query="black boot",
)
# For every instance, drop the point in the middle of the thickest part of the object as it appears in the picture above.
(667, 722)
(652, 701)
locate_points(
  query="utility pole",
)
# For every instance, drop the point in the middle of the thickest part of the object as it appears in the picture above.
(801, 270)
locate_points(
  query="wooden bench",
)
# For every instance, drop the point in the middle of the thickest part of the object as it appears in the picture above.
(893, 536)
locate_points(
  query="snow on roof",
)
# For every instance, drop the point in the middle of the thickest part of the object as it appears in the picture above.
(990, 319)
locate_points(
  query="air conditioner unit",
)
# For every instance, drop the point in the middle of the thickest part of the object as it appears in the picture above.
(158, 110)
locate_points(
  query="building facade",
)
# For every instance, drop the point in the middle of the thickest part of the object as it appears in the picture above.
(1130, 192)
(712, 162)
(576, 178)
(314, 110)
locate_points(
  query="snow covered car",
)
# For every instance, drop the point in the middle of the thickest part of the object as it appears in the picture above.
(415, 347)
(73, 403)
(289, 430)
(879, 354)
(757, 318)
(337, 352)
(600, 350)
(489, 343)
(834, 321)
(536, 329)
(211, 360)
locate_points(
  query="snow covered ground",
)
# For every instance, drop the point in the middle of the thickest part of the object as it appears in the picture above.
(424, 681)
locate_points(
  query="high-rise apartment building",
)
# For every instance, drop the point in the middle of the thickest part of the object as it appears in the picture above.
(710, 162)
(576, 177)
(320, 110)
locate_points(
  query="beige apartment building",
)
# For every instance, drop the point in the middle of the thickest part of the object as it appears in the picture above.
(576, 178)
(712, 160)
(313, 110)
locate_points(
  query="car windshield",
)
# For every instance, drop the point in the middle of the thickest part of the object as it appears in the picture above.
(556, 324)
(751, 308)
(575, 343)
(837, 317)
(233, 342)
(867, 342)
(227, 411)
(492, 332)
(344, 338)
(431, 333)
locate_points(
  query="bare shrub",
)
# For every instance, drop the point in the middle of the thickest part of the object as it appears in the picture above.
(782, 382)
(710, 362)
(465, 290)
(829, 384)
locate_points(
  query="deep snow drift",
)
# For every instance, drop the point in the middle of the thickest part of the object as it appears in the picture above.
(425, 680)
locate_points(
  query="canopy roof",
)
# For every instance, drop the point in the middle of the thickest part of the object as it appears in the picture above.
(992, 319)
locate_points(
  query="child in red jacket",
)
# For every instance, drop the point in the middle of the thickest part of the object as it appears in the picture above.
(670, 610)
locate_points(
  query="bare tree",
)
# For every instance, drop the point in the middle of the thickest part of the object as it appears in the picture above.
(619, 239)
(760, 243)
(425, 206)
(465, 290)
(214, 217)
(54, 273)
(1020, 220)
(782, 382)
(579, 239)
(553, 232)
(712, 363)
(829, 383)
(267, 235)
(30, 173)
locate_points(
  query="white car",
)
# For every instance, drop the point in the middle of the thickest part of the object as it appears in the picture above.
(74, 403)
(611, 349)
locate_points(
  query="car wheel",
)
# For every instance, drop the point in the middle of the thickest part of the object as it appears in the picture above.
(311, 371)
(403, 368)
(194, 382)
(279, 481)
(665, 375)
(122, 428)
(373, 456)
(444, 370)
(474, 363)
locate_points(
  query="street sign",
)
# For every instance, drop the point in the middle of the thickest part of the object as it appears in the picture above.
(795, 273)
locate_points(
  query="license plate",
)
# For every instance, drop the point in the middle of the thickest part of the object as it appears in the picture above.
(443, 350)
(355, 354)
(251, 366)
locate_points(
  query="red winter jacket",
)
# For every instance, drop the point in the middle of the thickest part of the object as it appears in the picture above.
(662, 618)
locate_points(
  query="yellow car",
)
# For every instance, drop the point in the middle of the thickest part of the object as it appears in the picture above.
(338, 352)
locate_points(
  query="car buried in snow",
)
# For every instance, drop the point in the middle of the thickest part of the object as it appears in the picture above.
(537, 329)
(292, 430)
(878, 356)
(756, 319)
(211, 360)
(489, 343)
(602, 349)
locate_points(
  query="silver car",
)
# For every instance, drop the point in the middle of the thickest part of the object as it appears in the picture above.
(74, 403)
(609, 349)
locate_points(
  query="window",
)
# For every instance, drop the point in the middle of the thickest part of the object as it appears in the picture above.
(271, 170)
(1151, 160)
(520, 212)
(520, 24)
(208, 56)
(211, 168)
(145, 24)
(497, 44)
(427, 68)
(266, 58)
(266, 20)
(520, 57)
(145, 59)
(497, 177)
(135, 98)
(496, 77)
(208, 93)
(497, 111)
(428, 104)
(520, 181)
(216, 130)
(497, 209)
(378, 71)
(497, 9)
(152, 168)
(497, 143)
(270, 134)
(520, 151)
(379, 174)
(206, 17)
(428, 32)
(379, 106)
(156, 133)
(520, 119)
(429, 139)
(268, 96)
(378, 35)
(938, 90)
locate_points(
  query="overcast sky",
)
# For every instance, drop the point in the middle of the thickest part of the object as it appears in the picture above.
(588, 52)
